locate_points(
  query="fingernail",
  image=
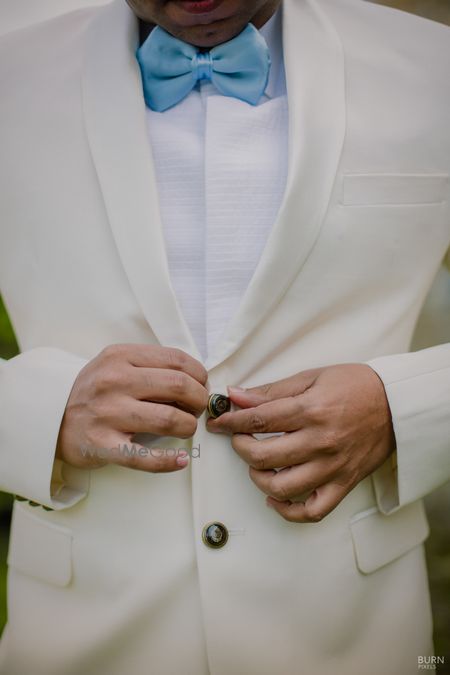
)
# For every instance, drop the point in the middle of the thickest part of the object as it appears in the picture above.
(236, 389)
(183, 459)
(269, 505)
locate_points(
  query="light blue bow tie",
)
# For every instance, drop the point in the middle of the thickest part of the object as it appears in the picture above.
(170, 68)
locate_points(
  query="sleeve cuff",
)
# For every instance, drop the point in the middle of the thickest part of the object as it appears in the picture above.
(35, 387)
(417, 386)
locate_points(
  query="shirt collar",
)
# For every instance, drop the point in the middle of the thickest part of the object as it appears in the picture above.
(273, 35)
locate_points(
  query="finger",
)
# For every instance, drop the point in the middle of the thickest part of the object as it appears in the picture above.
(284, 414)
(273, 453)
(289, 386)
(291, 483)
(169, 386)
(155, 418)
(318, 505)
(117, 448)
(153, 460)
(99, 451)
(154, 356)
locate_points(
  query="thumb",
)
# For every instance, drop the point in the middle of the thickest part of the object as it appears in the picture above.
(289, 386)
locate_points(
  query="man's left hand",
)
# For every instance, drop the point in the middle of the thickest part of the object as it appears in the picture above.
(336, 429)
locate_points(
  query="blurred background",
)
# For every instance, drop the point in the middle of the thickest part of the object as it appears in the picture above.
(433, 328)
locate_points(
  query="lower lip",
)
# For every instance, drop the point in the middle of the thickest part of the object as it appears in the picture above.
(199, 6)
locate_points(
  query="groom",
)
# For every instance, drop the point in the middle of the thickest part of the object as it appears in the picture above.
(219, 198)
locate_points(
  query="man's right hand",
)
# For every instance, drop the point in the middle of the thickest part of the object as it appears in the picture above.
(126, 390)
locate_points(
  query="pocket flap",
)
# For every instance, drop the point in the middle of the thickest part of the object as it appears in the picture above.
(379, 539)
(39, 548)
(384, 189)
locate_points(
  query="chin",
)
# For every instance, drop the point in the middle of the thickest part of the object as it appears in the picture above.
(208, 36)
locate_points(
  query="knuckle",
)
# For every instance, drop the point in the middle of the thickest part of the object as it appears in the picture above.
(136, 419)
(112, 351)
(203, 374)
(257, 459)
(159, 463)
(315, 412)
(92, 441)
(177, 359)
(166, 419)
(97, 411)
(178, 383)
(108, 379)
(349, 477)
(315, 515)
(266, 389)
(308, 485)
(237, 443)
(329, 439)
(101, 414)
(204, 401)
(257, 423)
(190, 427)
(278, 490)
(293, 456)
(149, 382)
(107, 352)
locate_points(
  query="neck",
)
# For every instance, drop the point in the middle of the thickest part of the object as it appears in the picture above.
(265, 13)
(144, 30)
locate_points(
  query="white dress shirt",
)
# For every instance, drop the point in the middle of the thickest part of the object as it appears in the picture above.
(221, 167)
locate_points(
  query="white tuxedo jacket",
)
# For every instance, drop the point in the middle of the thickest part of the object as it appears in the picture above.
(116, 577)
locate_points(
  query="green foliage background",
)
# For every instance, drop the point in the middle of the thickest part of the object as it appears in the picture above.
(8, 348)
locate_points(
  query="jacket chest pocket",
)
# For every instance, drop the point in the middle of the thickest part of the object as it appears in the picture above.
(387, 228)
(394, 189)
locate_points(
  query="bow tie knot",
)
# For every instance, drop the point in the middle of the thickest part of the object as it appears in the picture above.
(171, 68)
(202, 66)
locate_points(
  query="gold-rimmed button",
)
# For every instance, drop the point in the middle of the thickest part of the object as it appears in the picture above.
(215, 535)
(218, 404)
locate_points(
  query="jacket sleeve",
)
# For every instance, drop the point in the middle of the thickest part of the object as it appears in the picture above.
(417, 386)
(34, 389)
(418, 390)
